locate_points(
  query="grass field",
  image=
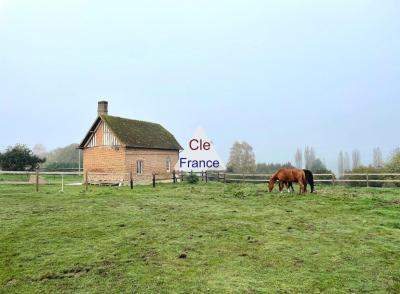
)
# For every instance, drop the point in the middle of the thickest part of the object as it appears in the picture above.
(213, 238)
(49, 179)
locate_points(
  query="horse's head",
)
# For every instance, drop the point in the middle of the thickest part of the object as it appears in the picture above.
(271, 184)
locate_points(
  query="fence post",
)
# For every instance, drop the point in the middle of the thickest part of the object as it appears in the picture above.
(86, 180)
(62, 183)
(154, 180)
(173, 177)
(243, 177)
(333, 179)
(131, 180)
(181, 176)
(37, 180)
(225, 177)
(202, 176)
(367, 180)
(217, 176)
(206, 177)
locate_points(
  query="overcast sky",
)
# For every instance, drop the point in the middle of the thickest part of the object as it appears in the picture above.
(277, 74)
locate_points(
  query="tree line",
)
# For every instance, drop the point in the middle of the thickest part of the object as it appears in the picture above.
(344, 165)
(242, 160)
(21, 158)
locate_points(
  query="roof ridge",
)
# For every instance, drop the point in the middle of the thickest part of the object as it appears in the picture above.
(137, 120)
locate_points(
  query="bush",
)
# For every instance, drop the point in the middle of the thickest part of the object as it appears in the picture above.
(239, 194)
(389, 185)
(19, 158)
(365, 170)
(393, 166)
(192, 178)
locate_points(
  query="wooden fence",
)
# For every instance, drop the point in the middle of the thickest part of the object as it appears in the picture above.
(35, 177)
(362, 178)
(41, 178)
(63, 178)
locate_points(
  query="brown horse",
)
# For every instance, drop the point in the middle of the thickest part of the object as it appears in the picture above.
(288, 175)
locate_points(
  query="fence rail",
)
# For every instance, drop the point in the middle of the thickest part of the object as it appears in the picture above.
(318, 178)
(122, 178)
(56, 173)
(36, 178)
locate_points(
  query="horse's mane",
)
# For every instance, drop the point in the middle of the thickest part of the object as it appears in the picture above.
(274, 175)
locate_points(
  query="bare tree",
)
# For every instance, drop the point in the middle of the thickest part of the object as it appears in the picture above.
(249, 159)
(234, 162)
(346, 164)
(340, 164)
(356, 158)
(298, 158)
(242, 158)
(309, 157)
(377, 157)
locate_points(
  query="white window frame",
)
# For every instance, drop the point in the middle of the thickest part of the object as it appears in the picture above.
(168, 164)
(140, 167)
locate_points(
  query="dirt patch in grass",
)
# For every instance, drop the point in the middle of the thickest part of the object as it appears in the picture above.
(74, 272)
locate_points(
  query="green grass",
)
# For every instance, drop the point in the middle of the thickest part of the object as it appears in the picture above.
(236, 239)
(50, 179)
(14, 177)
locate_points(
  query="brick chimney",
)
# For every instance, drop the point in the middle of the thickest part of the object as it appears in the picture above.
(102, 107)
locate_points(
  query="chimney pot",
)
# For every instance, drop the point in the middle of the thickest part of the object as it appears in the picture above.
(102, 107)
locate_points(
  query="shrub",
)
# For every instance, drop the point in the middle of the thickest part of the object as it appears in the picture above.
(389, 185)
(19, 158)
(192, 178)
(365, 170)
(239, 194)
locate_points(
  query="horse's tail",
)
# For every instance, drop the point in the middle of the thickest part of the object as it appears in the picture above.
(309, 178)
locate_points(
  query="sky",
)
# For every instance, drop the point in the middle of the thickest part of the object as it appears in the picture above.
(278, 74)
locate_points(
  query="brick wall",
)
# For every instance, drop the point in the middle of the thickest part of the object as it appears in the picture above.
(154, 162)
(104, 159)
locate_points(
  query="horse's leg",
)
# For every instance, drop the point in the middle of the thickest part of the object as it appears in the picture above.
(286, 186)
(301, 188)
(280, 186)
(291, 186)
(301, 184)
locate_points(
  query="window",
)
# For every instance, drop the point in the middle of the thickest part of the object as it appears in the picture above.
(139, 167)
(168, 164)
(108, 137)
